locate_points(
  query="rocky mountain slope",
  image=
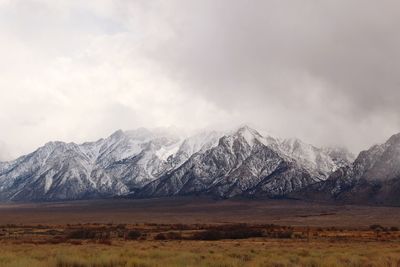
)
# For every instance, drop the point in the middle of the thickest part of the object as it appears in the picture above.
(144, 163)
(373, 178)
(108, 167)
(246, 163)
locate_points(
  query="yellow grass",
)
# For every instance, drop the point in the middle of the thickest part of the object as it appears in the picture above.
(257, 252)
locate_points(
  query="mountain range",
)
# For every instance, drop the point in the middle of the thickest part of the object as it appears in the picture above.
(161, 163)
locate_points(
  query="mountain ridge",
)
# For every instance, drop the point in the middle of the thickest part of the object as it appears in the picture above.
(373, 178)
(238, 162)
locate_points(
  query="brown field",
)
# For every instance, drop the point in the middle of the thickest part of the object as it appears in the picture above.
(193, 254)
(197, 232)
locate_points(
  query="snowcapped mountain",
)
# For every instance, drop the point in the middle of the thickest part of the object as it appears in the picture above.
(108, 167)
(160, 162)
(340, 155)
(319, 162)
(55, 171)
(246, 163)
(373, 178)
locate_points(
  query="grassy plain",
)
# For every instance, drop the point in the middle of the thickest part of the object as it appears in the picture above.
(202, 253)
(186, 232)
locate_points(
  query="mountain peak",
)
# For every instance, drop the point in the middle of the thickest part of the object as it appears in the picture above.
(394, 139)
(249, 134)
(53, 145)
(246, 128)
(117, 134)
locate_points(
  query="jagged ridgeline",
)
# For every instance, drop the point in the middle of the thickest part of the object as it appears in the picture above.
(373, 178)
(159, 163)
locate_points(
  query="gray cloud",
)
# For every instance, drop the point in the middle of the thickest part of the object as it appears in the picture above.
(333, 65)
(351, 45)
(324, 71)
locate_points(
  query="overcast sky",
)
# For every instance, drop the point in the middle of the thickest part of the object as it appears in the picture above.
(326, 71)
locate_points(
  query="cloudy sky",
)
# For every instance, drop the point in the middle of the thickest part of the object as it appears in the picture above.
(326, 71)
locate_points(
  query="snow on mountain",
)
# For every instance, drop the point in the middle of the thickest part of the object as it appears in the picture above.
(199, 142)
(320, 162)
(59, 171)
(245, 163)
(374, 177)
(162, 162)
(112, 166)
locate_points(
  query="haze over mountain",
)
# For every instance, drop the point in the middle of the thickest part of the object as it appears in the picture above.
(153, 163)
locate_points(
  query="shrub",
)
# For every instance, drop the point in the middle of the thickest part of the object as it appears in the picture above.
(376, 227)
(284, 234)
(57, 240)
(133, 235)
(121, 226)
(173, 236)
(82, 234)
(208, 235)
(214, 234)
(168, 236)
(160, 236)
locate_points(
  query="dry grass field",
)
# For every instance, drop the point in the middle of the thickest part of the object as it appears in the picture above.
(203, 253)
(187, 232)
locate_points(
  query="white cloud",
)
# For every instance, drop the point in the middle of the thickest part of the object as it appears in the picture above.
(102, 82)
(78, 70)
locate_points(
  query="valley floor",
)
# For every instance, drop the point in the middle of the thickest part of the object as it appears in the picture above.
(197, 232)
(199, 210)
